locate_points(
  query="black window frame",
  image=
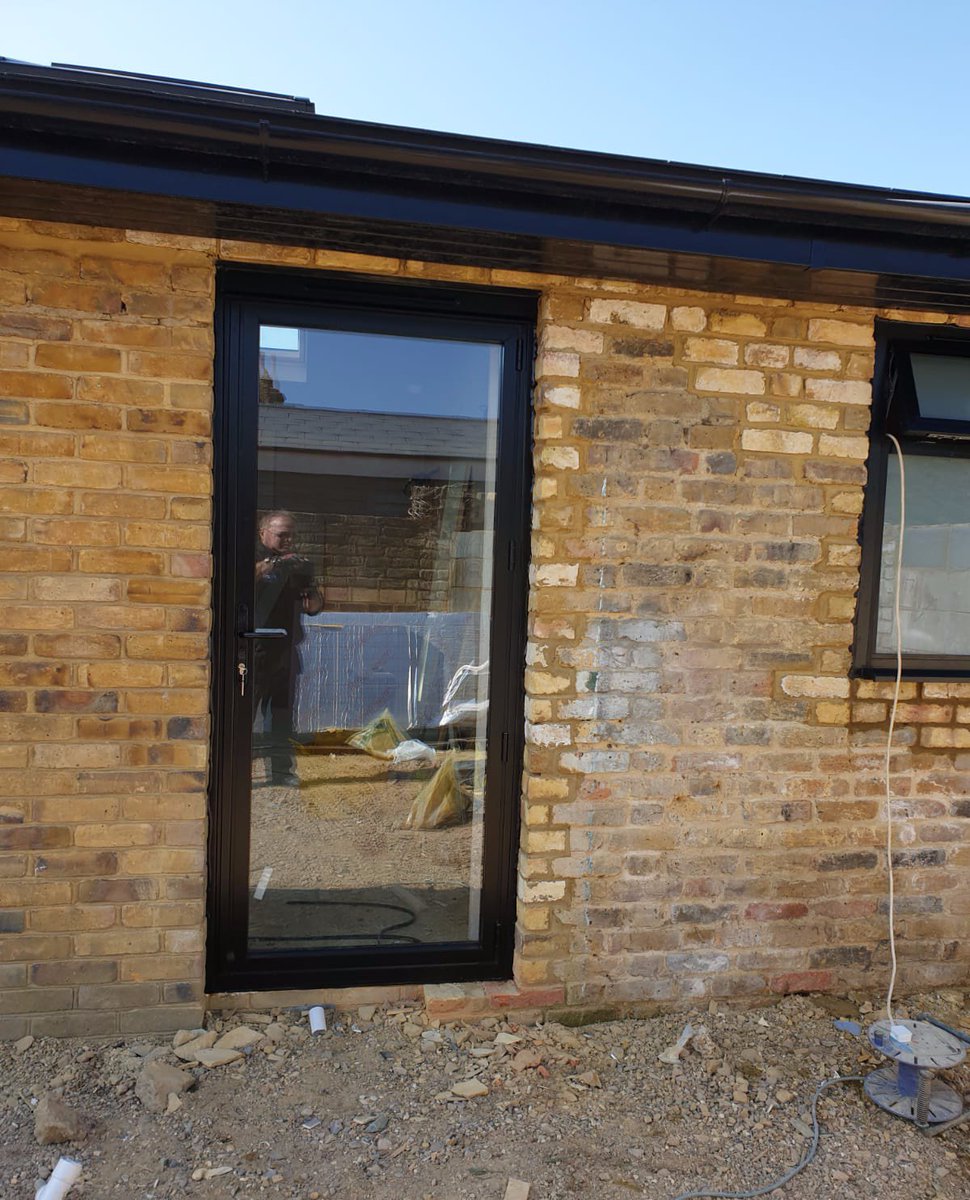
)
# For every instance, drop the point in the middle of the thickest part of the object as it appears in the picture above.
(895, 410)
(245, 297)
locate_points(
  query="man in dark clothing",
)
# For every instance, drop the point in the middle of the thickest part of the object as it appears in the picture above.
(284, 591)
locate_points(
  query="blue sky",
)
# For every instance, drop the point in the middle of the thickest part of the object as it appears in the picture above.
(864, 91)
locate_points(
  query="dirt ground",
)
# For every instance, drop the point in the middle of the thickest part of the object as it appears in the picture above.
(367, 1110)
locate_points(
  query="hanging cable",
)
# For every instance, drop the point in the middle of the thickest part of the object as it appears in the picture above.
(889, 740)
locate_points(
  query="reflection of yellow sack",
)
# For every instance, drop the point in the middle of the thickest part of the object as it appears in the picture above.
(378, 737)
(440, 802)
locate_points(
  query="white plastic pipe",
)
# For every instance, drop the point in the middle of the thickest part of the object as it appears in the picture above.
(318, 1019)
(65, 1174)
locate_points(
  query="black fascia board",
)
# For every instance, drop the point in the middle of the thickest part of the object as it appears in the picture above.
(218, 169)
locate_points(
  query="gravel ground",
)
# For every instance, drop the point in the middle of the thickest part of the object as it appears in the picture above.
(368, 1110)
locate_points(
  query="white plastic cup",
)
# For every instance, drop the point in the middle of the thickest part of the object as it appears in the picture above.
(318, 1019)
(65, 1174)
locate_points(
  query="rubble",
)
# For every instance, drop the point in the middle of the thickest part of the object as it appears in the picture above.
(158, 1082)
(391, 1103)
(56, 1122)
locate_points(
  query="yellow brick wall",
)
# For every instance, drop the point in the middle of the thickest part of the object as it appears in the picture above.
(703, 781)
(700, 812)
(105, 425)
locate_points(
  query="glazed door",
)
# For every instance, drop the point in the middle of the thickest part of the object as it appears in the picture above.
(371, 608)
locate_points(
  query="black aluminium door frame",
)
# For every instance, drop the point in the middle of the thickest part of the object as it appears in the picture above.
(246, 298)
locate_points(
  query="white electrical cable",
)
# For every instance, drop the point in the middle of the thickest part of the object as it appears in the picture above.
(901, 1032)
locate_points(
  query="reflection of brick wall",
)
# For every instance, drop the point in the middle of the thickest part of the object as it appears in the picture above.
(367, 563)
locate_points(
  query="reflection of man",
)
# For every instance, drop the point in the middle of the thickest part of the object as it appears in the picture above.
(284, 591)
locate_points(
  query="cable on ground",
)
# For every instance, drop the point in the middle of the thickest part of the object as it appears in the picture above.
(799, 1166)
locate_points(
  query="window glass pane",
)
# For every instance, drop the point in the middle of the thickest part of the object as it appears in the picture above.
(942, 386)
(375, 500)
(935, 581)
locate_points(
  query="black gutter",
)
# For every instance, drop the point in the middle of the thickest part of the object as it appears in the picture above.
(207, 164)
(202, 118)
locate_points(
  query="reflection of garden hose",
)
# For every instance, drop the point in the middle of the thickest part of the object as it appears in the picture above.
(386, 933)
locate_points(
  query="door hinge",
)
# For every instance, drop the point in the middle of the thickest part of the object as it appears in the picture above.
(511, 554)
(519, 354)
(505, 746)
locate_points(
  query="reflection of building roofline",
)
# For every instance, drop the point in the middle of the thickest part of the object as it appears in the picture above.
(289, 406)
(286, 427)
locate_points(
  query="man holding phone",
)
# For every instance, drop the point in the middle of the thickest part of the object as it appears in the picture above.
(284, 592)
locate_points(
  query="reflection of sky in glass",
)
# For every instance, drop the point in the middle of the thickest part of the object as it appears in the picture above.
(366, 372)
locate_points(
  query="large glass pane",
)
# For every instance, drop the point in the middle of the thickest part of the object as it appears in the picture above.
(935, 581)
(375, 512)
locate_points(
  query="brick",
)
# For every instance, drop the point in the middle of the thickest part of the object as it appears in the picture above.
(835, 391)
(732, 382)
(165, 647)
(161, 365)
(692, 320)
(112, 942)
(119, 390)
(77, 474)
(102, 728)
(167, 591)
(802, 981)
(77, 645)
(775, 912)
(746, 324)
(36, 1000)
(35, 559)
(33, 837)
(766, 355)
(117, 995)
(839, 333)
(122, 505)
(711, 350)
(123, 674)
(776, 441)
(33, 385)
(76, 588)
(34, 327)
(63, 357)
(161, 861)
(168, 1019)
(159, 534)
(169, 421)
(121, 447)
(72, 972)
(28, 948)
(115, 891)
(74, 863)
(121, 562)
(628, 312)
(66, 919)
(75, 1024)
(169, 479)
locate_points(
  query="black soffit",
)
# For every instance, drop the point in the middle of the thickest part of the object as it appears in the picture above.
(91, 147)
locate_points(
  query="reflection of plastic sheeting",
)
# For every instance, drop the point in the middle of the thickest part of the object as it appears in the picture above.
(463, 699)
(355, 665)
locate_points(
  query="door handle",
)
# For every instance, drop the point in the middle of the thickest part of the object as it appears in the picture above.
(254, 634)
